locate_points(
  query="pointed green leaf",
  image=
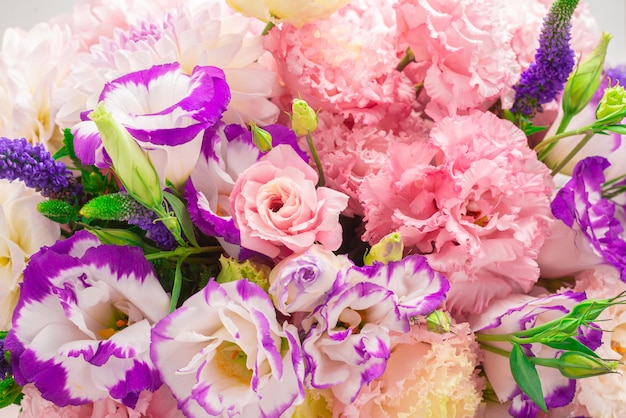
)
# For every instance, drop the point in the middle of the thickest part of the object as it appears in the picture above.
(526, 376)
(620, 129)
(10, 392)
(571, 344)
(181, 213)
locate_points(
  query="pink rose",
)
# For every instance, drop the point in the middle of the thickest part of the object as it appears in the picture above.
(275, 204)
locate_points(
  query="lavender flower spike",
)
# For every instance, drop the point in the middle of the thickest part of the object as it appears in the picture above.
(32, 164)
(554, 60)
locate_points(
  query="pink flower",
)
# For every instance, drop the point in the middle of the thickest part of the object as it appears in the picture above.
(480, 214)
(428, 374)
(345, 64)
(350, 153)
(160, 404)
(275, 205)
(462, 49)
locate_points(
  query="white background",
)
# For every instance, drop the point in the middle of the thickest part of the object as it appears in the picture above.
(25, 13)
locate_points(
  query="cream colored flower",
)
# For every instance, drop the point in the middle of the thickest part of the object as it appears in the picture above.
(296, 12)
(23, 231)
(33, 65)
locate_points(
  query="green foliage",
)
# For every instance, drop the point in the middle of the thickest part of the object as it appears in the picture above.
(526, 376)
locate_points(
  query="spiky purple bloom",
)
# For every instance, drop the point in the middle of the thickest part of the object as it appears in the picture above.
(581, 205)
(136, 214)
(5, 366)
(33, 164)
(545, 78)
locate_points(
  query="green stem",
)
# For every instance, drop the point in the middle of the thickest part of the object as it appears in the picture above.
(573, 153)
(184, 252)
(562, 126)
(406, 60)
(495, 350)
(316, 158)
(557, 137)
(268, 28)
(493, 337)
(178, 281)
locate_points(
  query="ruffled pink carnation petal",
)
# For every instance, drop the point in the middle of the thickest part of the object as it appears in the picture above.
(346, 64)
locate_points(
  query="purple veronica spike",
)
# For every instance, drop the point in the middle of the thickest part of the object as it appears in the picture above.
(32, 164)
(581, 206)
(223, 353)
(81, 328)
(544, 79)
(5, 366)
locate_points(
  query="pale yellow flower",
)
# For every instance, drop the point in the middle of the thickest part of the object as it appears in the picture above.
(296, 12)
(23, 231)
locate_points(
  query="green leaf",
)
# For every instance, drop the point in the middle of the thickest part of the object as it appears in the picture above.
(10, 392)
(571, 344)
(181, 213)
(526, 376)
(67, 150)
(620, 129)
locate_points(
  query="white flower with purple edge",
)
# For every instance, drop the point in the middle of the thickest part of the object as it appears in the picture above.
(223, 353)
(166, 111)
(81, 329)
(349, 345)
(519, 312)
(302, 282)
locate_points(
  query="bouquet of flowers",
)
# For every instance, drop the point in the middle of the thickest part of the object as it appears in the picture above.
(312, 209)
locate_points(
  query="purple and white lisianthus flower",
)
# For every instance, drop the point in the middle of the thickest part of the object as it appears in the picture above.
(223, 353)
(519, 312)
(349, 343)
(81, 328)
(580, 204)
(166, 111)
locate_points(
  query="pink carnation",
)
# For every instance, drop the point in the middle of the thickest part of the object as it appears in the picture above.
(345, 64)
(462, 50)
(428, 374)
(350, 153)
(160, 404)
(276, 205)
(480, 215)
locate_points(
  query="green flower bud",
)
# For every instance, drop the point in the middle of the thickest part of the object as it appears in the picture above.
(576, 365)
(584, 81)
(112, 207)
(57, 210)
(388, 249)
(130, 162)
(303, 118)
(113, 236)
(612, 106)
(261, 138)
(438, 322)
(233, 270)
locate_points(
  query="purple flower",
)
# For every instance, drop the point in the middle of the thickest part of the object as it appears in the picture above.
(581, 206)
(81, 328)
(33, 164)
(349, 343)
(165, 110)
(519, 312)
(544, 79)
(223, 353)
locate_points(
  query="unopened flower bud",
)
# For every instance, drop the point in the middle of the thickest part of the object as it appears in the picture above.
(388, 249)
(234, 270)
(115, 236)
(303, 118)
(612, 106)
(576, 365)
(261, 138)
(438, 322)
(130, 162)
(584, 81)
